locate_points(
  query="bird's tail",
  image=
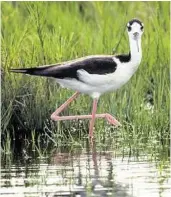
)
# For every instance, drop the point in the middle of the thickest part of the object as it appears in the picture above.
(47, 71)
(21, 70)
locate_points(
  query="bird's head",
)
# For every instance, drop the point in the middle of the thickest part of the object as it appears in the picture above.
(135, 29)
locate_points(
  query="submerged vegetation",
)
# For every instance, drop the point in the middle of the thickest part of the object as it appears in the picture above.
(38, 33)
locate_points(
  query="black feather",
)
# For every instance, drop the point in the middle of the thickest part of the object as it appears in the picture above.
(92, 64)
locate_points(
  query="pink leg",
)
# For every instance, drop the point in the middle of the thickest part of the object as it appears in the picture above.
(92, 121)
(107, 116)
(63, 106)
(55, 115)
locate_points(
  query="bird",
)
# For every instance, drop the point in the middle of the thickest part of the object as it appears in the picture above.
(94, 75)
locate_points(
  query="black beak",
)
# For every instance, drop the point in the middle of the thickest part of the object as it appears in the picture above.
(135, 34)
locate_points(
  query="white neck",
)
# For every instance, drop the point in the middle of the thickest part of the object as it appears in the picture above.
(135, 51)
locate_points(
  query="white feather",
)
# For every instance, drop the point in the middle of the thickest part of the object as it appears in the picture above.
(95, 85)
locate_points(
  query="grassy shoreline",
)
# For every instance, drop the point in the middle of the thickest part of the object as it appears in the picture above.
(40, 33)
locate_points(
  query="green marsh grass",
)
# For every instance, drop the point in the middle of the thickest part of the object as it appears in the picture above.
(38, 33)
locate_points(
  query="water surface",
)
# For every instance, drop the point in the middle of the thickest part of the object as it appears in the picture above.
(85, 172)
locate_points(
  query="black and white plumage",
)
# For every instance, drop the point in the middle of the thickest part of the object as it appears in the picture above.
(95, 75)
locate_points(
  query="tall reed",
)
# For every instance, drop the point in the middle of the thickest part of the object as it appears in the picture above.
(38, 33)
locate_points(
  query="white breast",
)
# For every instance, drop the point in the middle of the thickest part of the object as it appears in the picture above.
(123, 72)
(121, 76)
(95, 84)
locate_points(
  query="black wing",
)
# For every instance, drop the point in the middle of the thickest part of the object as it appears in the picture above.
(92, 64)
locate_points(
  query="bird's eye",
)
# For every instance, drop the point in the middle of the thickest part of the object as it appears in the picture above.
(129, 28)
(142, 28)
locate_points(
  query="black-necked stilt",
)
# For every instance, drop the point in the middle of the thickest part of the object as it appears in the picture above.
(94, 75)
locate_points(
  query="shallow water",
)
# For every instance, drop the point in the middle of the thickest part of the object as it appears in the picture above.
(86, 172)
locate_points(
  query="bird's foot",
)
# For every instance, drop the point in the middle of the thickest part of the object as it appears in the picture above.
(112, 120)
